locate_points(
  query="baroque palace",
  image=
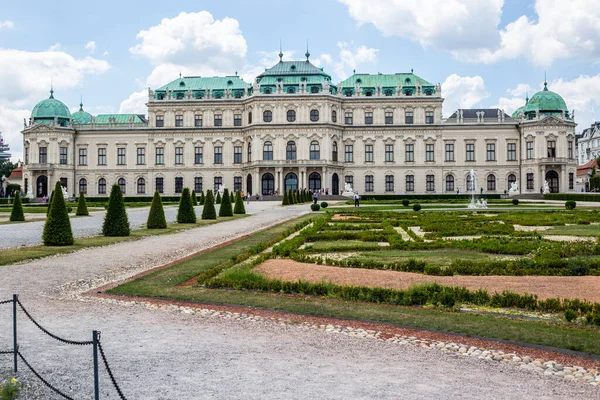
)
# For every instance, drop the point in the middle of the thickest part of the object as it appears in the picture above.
(293, 128)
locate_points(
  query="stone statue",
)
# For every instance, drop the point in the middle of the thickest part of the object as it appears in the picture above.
(325, 85)
(546, 187)
(348, 192)
(29, 194)
(221, 188)
(65, 192)
(514, 189)
(255, 88)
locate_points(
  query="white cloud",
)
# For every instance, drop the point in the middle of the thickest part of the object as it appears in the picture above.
(462, 92)
(55, 47)
(509, 104)
(581, 94)
(25, 76)
(105, 53)
(91, 46)
(7, 24)
(11, 125)
(349, 58)
(135, 104)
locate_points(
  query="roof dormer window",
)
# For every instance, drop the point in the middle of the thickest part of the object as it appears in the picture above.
(267, 90)
(182, 83)
(230, 82)
(407, 81)
(359, 80)
(179, 96)
(303, 79)
(368, 93)
(293, 67)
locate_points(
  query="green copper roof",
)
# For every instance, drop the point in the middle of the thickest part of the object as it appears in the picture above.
(50, 108)
(81, 116)
(516, 113)
(546, 101)
(293, 68)
(118, 119)
(201, 83)
(384, 80)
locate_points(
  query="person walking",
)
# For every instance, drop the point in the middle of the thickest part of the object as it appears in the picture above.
(10, 202)
(356, 200)
(315, 197)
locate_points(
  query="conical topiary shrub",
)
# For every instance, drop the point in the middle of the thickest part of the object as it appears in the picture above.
(225, 210)
(194, 198)
(291, 196)
(116, 222)
(186, 213)
(82, 206)
(49, 204)
(209, 211)
(239, 204)
(285, 201)
(296, 197)
(219, 198)
(16, 214)
(202, 198)
(231, 197)
(57, 229)
(156, 216)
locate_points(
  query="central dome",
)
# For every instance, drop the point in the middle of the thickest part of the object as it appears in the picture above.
(81, 116)
(546, 102)
(47, 110)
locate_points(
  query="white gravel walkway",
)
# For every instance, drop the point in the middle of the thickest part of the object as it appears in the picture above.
(161, 354)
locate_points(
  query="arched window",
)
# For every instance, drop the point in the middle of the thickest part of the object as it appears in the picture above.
(268, 184)
(314, 89)
(290, 150)
(268, 151)
(387, 92)
(314, 115)
(315, 150)
(491, 182)
(314, 181)
(83, 186)
(291, 115)
(450, 183)
(141, 186)
(122, 185)
(334, 152)
(291, 181)
(250, 117)
(101, 186)
(511, 179)
(267, 116)
(267, 90)
(333, 116)
(290, 90)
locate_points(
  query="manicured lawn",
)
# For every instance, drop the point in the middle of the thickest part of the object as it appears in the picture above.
(574, 230)
(435, 257)
(349, 244)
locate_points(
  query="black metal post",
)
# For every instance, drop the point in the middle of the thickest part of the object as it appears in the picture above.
(15, 346)
(96, 381)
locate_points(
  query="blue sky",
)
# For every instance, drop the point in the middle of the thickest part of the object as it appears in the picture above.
(484, 52)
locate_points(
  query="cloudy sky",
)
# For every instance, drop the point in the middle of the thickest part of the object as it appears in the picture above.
(485, 53)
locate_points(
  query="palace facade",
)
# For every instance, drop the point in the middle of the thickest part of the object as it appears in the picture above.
(294, 128)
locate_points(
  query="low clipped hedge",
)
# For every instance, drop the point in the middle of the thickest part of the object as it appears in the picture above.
(425, 196)
(5, 200)
(573, 196)
(134, 199)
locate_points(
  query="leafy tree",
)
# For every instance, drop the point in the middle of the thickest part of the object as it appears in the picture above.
(219, 198)
(116, 222)
(194, 198)
(225, 210)
(156, 216)
(285, 201)
(209, 212)
(57, 229)
(239, 204)
(595, 182)
(16, 214)
(82, 206)
(6, 167)
(186, 213)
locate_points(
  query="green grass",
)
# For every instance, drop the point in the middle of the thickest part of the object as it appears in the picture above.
(435, 257)
(27, 210)
(573, 230)
(11, 256)
(338, 244)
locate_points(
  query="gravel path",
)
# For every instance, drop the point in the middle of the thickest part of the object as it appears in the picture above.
(169, 354)
(29, 234)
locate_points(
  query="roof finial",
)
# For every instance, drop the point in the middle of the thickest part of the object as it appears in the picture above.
(545, 83)
(81, 102)
(280, 52)
(180, 75)
(51, 88)
(411, 70)
(526, 96)
(307, 54)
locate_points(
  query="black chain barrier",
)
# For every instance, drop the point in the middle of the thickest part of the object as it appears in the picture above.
(6, 301)
(73, 342)
(110, 374)
(7, 352)
(45, 382)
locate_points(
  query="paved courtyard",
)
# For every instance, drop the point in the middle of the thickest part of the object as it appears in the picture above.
(167, 354)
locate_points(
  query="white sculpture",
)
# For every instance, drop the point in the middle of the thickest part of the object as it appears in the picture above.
(325, 85)
(348, 192)
(65, 192)
(546, 187)
(221, 188)
(514, 189)
(29, 194)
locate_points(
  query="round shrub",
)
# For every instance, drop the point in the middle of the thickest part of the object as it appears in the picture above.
(226, 210)
(405, 202)
(446, 298)
(209, 211)
(432, 270)
(324, 204)
(186, 213)
(570, 204)
(315, 207)
(416, 207)
(16, 213)
(57, 229)
(82, 206)
(239, 204)
(156, 216)
(570, 315)
(515, 202)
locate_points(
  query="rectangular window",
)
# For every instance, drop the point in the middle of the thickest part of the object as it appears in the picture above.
(26, 157)
(121, 156)
(551, 149)
(102, 156)
(429, 152)
(349, 153)
(160, 156)
(570, 149)
(179, 121)
(237, 184)
(178, 155)
(429, 117)
(178, 184)
(491, 152)
(249, 155)
(160, 121)
(218, 155)
(218, 120)
(571, 181)
(368, 118)
(389, 183)
(198, 120)
(237, 119)
(349, 179)
(160, 185)
(197, 155)
(369, 185)
(410, 152)
(470, 149)
(141, 155)
(408, 117)
(217, 182)
(389, 152)
(529, 150)
(511, 152)
(63, 155)
(530, 181)
(449, 152)
(237, 154)
(389, 118)
(368, 153)
(410, 183)
(348, 118)
(82, 156)
(198, 184)
(430, 183)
